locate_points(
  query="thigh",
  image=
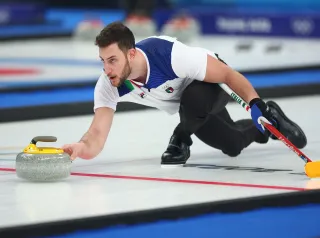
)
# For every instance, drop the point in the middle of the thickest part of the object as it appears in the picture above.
(198, 101)
(203, 98)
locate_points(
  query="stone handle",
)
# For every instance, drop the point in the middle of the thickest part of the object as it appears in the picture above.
(43, 139)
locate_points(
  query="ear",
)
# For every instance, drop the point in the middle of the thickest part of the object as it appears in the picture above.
(131, 53)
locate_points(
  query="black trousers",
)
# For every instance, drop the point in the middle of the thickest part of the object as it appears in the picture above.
(203, 113)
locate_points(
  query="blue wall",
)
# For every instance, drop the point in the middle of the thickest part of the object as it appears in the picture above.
(293, 222)
(283, 5)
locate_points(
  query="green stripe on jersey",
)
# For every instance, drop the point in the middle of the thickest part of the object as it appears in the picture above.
(129, 85)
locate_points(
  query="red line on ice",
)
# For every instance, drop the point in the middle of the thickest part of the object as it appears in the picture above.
(186, 181)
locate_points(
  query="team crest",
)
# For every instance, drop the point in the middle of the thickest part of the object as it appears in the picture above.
(169, 89)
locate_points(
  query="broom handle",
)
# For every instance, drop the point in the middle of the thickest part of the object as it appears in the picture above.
(271, 128)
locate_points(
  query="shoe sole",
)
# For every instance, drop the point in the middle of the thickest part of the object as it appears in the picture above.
(276, 107)
(170, 166)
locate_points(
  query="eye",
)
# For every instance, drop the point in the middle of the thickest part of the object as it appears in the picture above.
(112, 60)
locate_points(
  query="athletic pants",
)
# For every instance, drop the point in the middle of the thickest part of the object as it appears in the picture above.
(203, 113)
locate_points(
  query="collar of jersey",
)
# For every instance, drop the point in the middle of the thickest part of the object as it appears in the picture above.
(148, 66)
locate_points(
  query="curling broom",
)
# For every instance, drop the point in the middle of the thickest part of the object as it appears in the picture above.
(312, 168)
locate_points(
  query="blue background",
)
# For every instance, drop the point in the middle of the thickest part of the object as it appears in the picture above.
(280, 13)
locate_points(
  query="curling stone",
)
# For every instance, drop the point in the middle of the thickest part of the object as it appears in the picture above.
(43, 164)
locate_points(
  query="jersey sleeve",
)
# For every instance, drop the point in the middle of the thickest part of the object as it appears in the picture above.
(189, 62)
(105, 95)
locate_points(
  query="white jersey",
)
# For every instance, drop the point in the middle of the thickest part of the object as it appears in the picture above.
(172, 66)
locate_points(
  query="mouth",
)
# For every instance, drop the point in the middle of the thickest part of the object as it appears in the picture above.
(112, 78)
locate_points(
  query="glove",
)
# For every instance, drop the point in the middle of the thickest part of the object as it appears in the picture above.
(260, 111)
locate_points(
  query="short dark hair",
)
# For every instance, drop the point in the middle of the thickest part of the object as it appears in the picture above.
(116, 32)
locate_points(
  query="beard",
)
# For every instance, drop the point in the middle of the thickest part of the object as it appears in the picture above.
(125, 73)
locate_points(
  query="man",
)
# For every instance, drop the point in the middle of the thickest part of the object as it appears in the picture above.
(162, 72)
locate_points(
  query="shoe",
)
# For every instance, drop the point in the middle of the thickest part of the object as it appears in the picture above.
(287, 127)
(177, 152)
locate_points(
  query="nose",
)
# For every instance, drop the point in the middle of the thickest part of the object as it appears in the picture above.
(107, 70)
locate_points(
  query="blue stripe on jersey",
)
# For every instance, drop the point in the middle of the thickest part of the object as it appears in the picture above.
(123, 90)
(158, 52)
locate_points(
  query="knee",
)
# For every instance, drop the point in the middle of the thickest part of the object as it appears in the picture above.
(232, 151)
(234, 147)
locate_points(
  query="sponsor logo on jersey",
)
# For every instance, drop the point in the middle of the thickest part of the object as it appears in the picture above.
(142, 95)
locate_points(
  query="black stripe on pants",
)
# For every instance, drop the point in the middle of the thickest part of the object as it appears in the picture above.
(203, 113)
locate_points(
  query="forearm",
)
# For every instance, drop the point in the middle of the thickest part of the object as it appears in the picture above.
(239, 84)
(94, 139)
(94, 144)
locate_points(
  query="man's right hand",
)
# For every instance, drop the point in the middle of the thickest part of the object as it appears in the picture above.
(74, 150)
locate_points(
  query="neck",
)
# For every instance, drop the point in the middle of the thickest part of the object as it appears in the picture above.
(139, 68)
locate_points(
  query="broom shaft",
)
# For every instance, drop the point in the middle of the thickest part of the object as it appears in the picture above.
(282, 138)
(271, 128)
